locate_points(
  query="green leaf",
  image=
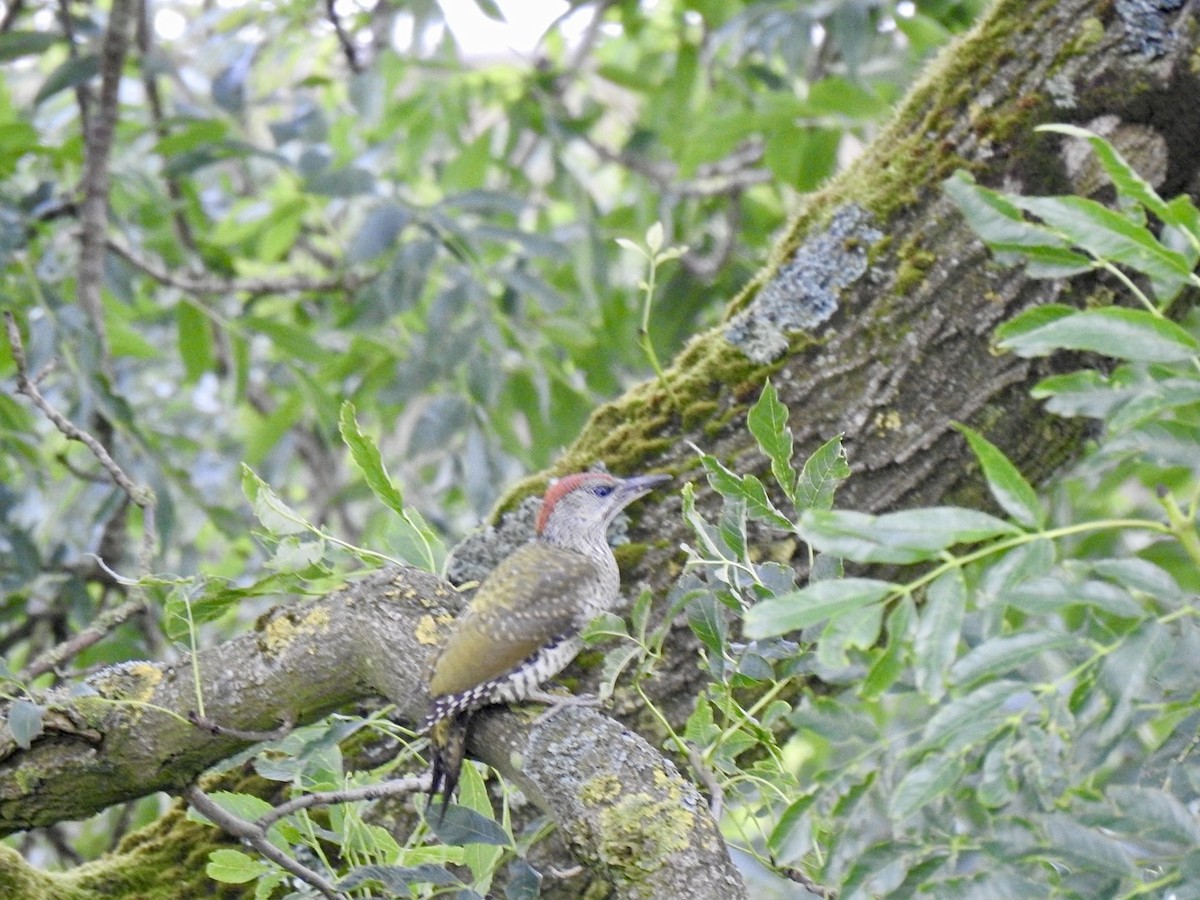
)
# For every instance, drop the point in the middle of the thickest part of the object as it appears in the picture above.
(852, 629)
(195, 340)
(935, 639)
(976, 716)
(889, 665)
(15, 44)
(745, 488)
(25, 722)
(1114, 331)
(1087, 847)
(461, 826)
(821, 475)
(901, 537)
(1124, 178)
(369, 460)
(233, 866)
(74, 71)
(275, 515)
(812, 604)
(707, 620)
(398, 878)
(924, 783)
(1000, 655)
(767, 421)
(1107, 235)
(995, 217)
(1014, 494)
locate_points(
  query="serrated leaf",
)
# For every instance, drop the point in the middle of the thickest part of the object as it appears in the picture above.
(813, 604)
(1087, 847)
(524, 881)
(1014, 494)
(1107, 234)
(821, 475)
(25, 722)
(891, 662)
(707, 620)
(767, 421)
(854, 629)
(791, 838)
(935, 639)
(275, 515)
(1114, 331)
(461, 826)
(233, 866)
(902, 537)
(1000, 655)
(923, 783)
(975, 716)
(369, 460)
(995, 217)
(1124, 178)
(1156, 814)
(744, 488)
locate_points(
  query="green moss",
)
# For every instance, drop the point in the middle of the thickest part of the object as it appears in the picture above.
(914, 264)
(149, 864)
(629, 555)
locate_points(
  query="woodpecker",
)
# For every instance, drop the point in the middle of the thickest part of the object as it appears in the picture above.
(523, 625)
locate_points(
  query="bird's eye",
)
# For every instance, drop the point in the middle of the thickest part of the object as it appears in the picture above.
(602, 490)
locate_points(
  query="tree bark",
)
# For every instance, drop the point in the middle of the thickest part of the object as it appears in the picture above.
(872, 318)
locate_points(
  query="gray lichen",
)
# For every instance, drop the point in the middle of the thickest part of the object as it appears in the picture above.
(804, 292)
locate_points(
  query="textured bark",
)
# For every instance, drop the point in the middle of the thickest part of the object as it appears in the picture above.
(873, 319)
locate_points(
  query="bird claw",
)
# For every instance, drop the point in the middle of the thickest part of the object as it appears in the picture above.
(558, 702)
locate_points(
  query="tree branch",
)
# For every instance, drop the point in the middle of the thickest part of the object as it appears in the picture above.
(196, 284)
(93, 218)
(125, 732)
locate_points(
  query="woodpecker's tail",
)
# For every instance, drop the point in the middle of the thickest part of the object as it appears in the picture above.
(447, 746)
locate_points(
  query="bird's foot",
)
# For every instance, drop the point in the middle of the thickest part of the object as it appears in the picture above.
(557, 702)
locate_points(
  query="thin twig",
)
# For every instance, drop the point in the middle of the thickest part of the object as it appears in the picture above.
(416, 784)
(139, 494)
(344, 38)
(93, 215)
(212, 727)
(193, 284)
(256, 837)
(96, 630)
(796, 875)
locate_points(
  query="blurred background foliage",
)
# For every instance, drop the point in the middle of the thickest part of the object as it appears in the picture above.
(455, 210)
(315, 203)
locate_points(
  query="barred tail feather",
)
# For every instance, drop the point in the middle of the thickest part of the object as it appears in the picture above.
(447, 747)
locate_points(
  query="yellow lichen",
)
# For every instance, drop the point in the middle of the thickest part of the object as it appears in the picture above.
(282, 629)
(639, 832)
(428, 627)
(602, 789)
(887, 421)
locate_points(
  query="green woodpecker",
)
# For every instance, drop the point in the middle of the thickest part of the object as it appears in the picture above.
(523, 624)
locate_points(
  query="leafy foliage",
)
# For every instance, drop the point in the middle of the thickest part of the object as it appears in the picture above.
(1015, 713)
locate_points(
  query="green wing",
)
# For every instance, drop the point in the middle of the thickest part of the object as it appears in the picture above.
(527, 602)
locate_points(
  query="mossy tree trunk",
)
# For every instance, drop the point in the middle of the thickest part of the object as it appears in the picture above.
(873, 319)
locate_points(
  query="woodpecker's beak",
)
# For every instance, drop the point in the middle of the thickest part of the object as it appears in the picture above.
(637, 485)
